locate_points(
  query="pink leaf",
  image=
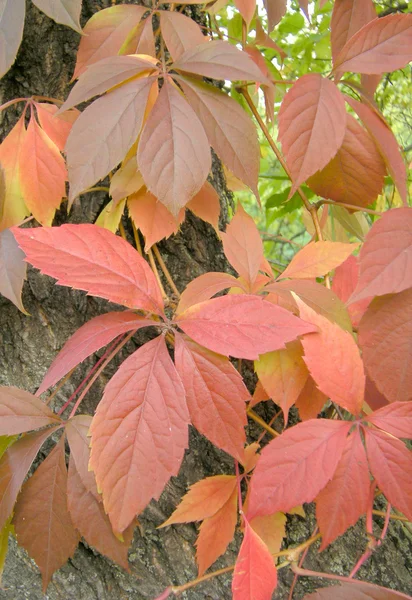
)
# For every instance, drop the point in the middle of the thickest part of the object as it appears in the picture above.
(21, 412)
(204, 287)
(395, 419)
(180, 33)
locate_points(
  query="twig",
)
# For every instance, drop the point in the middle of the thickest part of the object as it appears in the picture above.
(251, 413)
(165, 270)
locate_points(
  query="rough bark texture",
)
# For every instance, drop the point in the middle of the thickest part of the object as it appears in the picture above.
(28, 345)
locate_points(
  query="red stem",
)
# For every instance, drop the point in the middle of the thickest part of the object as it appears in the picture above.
(165, 594)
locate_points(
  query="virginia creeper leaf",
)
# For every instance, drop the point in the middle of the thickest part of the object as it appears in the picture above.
(110, 216)
(90, 520)
(344, 283)
(312, 123)
(283, 375)
(395, 419)
(4, 545)
(385, 142)
(204, 287)
(385, 259)
(105, 33)
(230, 131)
(247, 9)
(243, 246)
(42, 174)
(219, 60)
(21, 411)
(77, 429)
(271, 529)
(311, 401)
(385, 334)
(358, 590)
(104, 133)
(216, 533)
(12, 206)
(65, 12)
(345, 498)
(333, 360)
(215, 395)
(12, 13)
(317, 259)
(56, 126)
(204, 499)
(174, 154)
(139, 432)
(280, 480)
(88, 339)
(255, 575)
(356, 174)
(348, 16)
(141, 39)
(14, 466)
(206, 205)
(241, 326)
(93, 259)
(12, 269)
(382, 45)
(106, 74)
(390, 462)
(126, 181)
(262, 39)
(275, 10)
(41, 519)
(179, 32)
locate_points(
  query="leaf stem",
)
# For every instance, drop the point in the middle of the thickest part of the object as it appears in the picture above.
(137, 239)
(47, 99)
(349, 206)
(251, 413)
(156, 273)
(11, 102)
(165, 270)
(58, 387)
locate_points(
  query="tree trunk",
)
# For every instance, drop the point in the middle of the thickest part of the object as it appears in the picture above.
(28, 344)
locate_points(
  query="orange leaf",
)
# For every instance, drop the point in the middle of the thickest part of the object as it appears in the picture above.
(344, 283)
(317, 259)
(204, 499)
(21, 412)
(348, 16)
(126, 181)
(247, 9)
(334, 361)
(174, 155)
(251, 456)
(311, 401)
(216, 533)
(206, 205)
(255, 575)
(12, 206)
(41, 519)
(139, 432)
(395, 419)
(57, 127)
(215, 395)
(312, 123)
(271, 529)
(42, 173)
(204, 287)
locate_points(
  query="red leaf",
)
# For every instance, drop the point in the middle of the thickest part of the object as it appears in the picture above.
(275, 10)
(63, 12)
(317, 259)
(174, 163)
(247, 9)
(139, 433)
(179, 32)
(220, 60)
(21, 412)
(88, 339)
(334, 362)
(280, 480)
(92, 523)
(356, 174)
(204, 499)
(348, 16)
(215, 395)
(382, 45)
(344, 283)
(206, 205)
(12, 206)
(204, 287)
(311, 401)
(14, 466)
(345, 498)
(386, 256)
(385, 334)
(12, 269)
(216, 533)
(41, 519)
(283, 375)
(255, 575)
(56, 127)
(105, 33)
(152, 217)
(230, 131)
(105, 132)
(77, 429)
(385, 142)
(93, 259)
(106, 74)
(358, 590)
(243, 246)
(11, 32)
(42, 174)
(241, 326)
(395, 419)
(373, 397)
(390, 462)
(312, 124)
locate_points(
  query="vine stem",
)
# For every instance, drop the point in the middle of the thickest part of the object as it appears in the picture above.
(47, 99)
(165, 270)
(349, 206)
(156, 273)
(251, 413)
(58, 387)
(11, 102)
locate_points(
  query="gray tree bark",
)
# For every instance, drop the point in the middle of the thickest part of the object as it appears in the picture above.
(158, 558)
